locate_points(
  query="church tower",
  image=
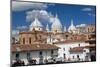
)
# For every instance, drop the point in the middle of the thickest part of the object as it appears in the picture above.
(36, 25)
(47, 28)
(56, 25)
(65, 29)
(72, 28)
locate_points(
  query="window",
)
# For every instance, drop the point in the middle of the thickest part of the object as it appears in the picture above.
(17, 55)
(40, 36)
(79, 45)
(50, 38)
(73, 57)
(84, 50)
(88, 30)
(40, 52)
(39, 28)
(28, 56)
(52, 53)
(19, 40)
(63, 49)
(64, 56)
(23, 40)
(40, 55)
(30, 40)
(66, 36)
(35, 35)
(78, 57)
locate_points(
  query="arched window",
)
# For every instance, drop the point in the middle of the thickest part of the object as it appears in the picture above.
(30, 40)
(40, 36)
(66, 36)
(23, 40)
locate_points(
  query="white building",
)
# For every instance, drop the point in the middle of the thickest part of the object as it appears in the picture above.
(37, 52)
(72, 50)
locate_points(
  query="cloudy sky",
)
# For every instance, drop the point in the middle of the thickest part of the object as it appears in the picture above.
(23, 13)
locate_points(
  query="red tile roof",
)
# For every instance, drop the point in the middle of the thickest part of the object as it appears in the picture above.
(69, 41)
(33, 47)
(76, 49)
(90, 46)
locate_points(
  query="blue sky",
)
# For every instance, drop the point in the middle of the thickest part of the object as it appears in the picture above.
(81, 14)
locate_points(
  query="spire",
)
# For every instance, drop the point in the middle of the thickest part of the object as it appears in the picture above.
(36, 21)
(35, 18)
(47, 27)
(72, 22)
(71, 28)
(56, 15)
(64, 28)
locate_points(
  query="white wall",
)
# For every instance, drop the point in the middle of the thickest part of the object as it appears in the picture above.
(67, 47)
(34, 55)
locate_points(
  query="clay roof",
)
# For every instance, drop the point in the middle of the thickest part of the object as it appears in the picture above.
(80, 49)
(76, 49)
(32, 47)
(90, 46)
(89, 40)
(45, 32)
(27, 32)
(70, 41)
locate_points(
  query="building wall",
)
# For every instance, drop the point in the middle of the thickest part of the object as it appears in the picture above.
(65, 47)
(34, 55)
(34, 37)
(26, 36)
(90, 28)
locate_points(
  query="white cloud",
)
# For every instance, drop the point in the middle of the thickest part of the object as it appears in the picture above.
(90, 14)
(42, 15)
(18, 29)
(81, 25)
(21, 6)
(15, 34)
(87, 9)
(22, 27)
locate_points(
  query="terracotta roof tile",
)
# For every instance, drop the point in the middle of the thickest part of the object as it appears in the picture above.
(69, 41)
(76, 49)
(33, 47)
(90, 46)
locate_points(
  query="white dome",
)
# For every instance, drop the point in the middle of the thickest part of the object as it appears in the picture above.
(56, 24)
(71, 27)
(35, 23)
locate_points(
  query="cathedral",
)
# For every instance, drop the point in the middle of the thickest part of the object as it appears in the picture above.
(55, 44)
